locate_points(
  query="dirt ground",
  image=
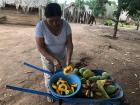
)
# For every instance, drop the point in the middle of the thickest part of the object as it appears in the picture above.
(92, 44)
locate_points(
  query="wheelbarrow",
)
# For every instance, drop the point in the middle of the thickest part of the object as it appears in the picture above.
(73, 98)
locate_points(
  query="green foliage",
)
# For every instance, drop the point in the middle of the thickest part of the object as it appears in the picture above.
(97, 6)
(108, 22)
(132, 6)
(49, 1)
(80, 4)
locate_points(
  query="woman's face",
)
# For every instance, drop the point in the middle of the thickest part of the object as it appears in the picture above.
(54, 22)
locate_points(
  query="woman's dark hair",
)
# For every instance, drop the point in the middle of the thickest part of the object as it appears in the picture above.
(53, 9)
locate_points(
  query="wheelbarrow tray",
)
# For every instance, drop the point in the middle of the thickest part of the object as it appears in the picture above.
(77, 98)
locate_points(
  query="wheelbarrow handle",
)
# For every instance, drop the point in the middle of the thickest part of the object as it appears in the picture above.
(31, 91)
(37, 68)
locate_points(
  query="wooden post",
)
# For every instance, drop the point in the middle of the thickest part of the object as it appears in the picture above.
(63, 11)
(41, 12)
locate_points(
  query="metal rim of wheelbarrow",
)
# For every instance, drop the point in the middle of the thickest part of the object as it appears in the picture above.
(71, 78)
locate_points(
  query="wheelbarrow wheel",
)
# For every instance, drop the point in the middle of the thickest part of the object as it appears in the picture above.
(60, 102)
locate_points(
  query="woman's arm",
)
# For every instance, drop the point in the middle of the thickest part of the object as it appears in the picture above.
(43, 50)
(69, 46)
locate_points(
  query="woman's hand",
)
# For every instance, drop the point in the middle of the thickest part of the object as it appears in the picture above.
(57, 64)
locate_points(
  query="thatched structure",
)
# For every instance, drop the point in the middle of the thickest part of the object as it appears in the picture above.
(24, 4)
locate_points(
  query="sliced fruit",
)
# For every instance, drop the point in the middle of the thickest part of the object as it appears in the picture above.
(67, 69)
(54, 86)
(74, 85)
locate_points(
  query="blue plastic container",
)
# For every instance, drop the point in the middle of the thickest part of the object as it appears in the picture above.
(71, 79)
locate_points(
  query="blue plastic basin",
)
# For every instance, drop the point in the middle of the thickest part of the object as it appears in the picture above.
(71, 79)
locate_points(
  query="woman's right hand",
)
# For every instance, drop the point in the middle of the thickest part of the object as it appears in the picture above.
(57, 64)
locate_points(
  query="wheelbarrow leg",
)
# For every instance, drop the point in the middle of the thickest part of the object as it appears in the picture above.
(60, 101)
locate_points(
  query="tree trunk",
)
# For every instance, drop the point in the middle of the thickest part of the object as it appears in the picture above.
(115, 29)
(116, 22)
(138, 24)
(118, 13)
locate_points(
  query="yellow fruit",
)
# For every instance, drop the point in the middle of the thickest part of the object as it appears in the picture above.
(74, 85)
(60, 81)
(62, 87)
(72, 88)
(57, 91)
(68, 69)
(54, 86)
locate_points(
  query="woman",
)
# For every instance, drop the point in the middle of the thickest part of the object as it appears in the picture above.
(54, 40)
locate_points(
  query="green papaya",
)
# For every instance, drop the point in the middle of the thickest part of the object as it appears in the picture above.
(105, 75)
(103, 78)
(94, 78)
(88, 73)
(82, 70)
(75, 71)
(110, 89)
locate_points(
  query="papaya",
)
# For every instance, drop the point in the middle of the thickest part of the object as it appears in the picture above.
(67, 69)
(72, 88)
(54, 86)
(82, 70)
(75, 71)
(105, 75)
(60, 81)
(110, 89)
(94, 78)
(57, 91)
(62, 87)
(103, 78)
(88, 73)
(67, 92)
(74, 85)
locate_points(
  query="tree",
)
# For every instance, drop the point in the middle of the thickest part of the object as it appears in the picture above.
(49, 1)
(133, 8)
(136, 18)
(80, 4)
(117, 15)
(97, 6)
